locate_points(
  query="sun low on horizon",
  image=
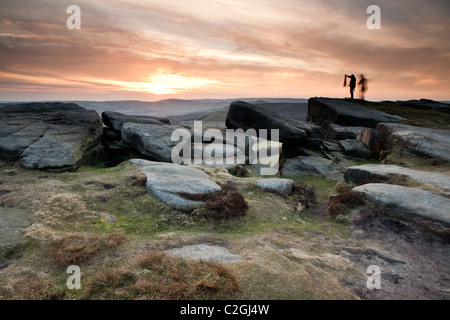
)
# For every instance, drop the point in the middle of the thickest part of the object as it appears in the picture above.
(152, 50)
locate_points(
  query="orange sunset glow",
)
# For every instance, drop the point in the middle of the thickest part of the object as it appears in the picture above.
(152, 50)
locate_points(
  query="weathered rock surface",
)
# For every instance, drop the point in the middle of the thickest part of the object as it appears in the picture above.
(239, 140)
(242, 115)
(337, 132)
(206, 253)
(431, 143)
(116, 120)
(355, 148)
(151, 140)
(13, 222)
(408, 203)
(311, 165)
(276, 185)
(356, 174)
(326, 111)
(48, 136)
(167, 182)
(371, 139)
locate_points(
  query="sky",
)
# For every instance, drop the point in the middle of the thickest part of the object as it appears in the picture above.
(190, 49)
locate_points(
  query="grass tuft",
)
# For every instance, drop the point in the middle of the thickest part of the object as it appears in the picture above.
(79, 248)
(158, 276)
(304, 194)
(226, 204)
(341, 203)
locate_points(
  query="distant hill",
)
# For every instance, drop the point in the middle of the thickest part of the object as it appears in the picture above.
(171, 107)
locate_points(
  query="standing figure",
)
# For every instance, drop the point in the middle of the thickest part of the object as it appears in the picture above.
(363, 84)
(352, 83)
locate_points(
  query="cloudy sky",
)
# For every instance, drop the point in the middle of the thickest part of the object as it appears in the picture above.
(151, 50)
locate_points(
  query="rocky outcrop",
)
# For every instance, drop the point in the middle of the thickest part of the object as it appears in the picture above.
(276, 185)
(49, 136)
(357, 174)
(240, 140)
(167, 182)
(116, 149)
(408, 203)
(326, 111)
(116, 120)
(151, 140)
(242, 115)
(406, 139)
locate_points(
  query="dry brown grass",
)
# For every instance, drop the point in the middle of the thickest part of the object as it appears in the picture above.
(225, 204)
(436, 229)
(79, 248)
(158, 276)
(241, 171)
(341, 203)
(392, 178)
(303, 194)
(32, 287)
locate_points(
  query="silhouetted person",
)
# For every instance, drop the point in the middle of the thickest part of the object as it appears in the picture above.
(352, 83)
(363, 84)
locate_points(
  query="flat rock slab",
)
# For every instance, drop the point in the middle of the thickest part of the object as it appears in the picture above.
(311, 165)
(12, 224)
(408, 203)
(206, 253)
(242, 115)
(151, 140)
(356, 174)
(276, 185)
(48, 136)
(326, 111)
(431, 143)
(355, 148)
(116, 120)
(167, 182)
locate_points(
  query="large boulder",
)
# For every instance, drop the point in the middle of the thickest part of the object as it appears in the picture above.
(116, 120)
(430, 143)
(408, 203)
(167, 182)
(242, 115)
(151, 140)
(357, 174)
(49, 136)
(326, 111)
